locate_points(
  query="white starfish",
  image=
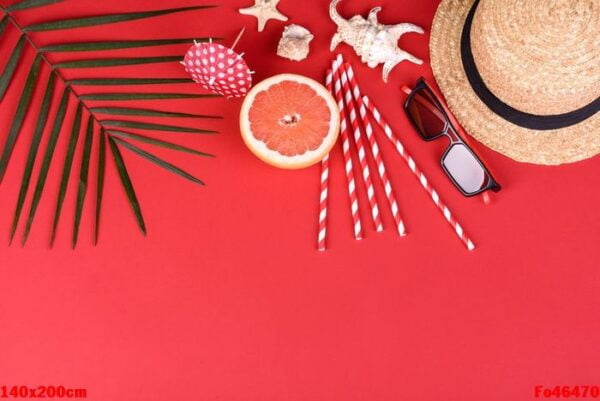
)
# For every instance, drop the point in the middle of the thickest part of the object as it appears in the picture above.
(264, 10)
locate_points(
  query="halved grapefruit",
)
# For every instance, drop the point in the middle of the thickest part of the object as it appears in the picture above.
(289, 121)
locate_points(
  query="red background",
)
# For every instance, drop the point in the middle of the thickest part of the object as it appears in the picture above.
(227, 298)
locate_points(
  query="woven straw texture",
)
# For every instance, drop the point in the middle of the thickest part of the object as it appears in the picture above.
(539, 56)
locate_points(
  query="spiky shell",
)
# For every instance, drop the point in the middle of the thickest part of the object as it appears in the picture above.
(374, 42)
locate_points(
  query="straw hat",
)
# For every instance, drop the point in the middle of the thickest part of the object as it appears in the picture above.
(522, 76)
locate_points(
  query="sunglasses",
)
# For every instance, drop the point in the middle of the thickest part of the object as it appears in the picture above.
(464, 168)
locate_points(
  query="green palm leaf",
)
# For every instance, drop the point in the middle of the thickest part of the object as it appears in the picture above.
(33, 150)
(83, 179)
(116, 140)
(126, 111)
(11, 66)
(66, 172)
(3, 23)
(43, 175)
(24, 4)
(158, 161)
(158, 142)
(105, 19)
(127, 185)
(19, 115)
(154, 127)
(113, 62)
(118, 44)
(144, 96)
(100, 183)
(127, 81)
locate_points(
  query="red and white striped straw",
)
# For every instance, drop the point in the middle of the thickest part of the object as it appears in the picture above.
(322, 239)
(338, 77)
(348, 73)
(358, 231)
(323, 199)
(417, 172)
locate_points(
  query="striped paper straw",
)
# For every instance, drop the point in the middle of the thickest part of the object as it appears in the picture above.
(358, 231)
(322, 238)
(360, 147)
(417, 172)
(323, 199)
(348, 73)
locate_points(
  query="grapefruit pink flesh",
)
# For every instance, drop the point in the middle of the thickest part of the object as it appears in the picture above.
(290, 118)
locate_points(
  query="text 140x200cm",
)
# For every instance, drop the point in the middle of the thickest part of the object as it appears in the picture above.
(42, 392)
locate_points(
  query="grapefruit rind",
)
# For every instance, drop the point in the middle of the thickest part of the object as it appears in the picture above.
(274, 158)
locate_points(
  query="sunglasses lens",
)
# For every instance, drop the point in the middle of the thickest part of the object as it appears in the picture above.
(426, 116)
(464, 168)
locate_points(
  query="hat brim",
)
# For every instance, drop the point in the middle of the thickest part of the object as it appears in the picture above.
(566, 145)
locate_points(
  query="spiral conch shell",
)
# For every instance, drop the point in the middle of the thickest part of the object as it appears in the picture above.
(375, 43)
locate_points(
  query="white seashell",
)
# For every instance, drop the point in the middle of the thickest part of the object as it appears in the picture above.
(375, 43)
(294, 43)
